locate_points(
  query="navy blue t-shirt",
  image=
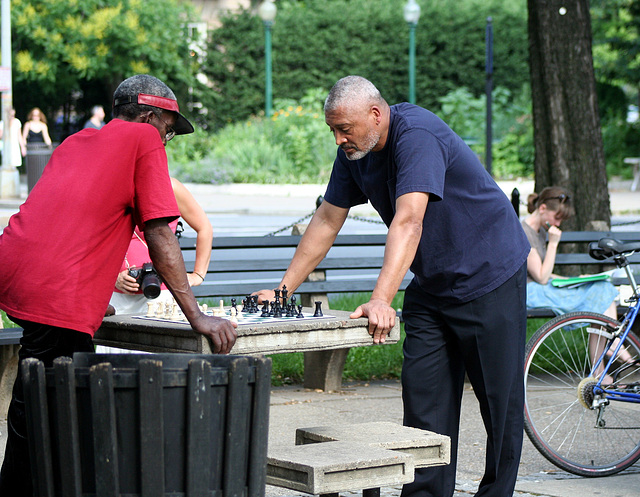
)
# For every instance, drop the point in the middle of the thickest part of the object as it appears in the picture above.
(472, 241)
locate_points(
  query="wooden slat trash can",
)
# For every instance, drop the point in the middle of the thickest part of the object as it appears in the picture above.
(148, 425)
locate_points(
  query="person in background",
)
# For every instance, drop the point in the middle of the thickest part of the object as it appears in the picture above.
(35, 130)
(18, 146)
(62, 252)
(127, 297)
(465, 309)
(96, 121)
(548, 210)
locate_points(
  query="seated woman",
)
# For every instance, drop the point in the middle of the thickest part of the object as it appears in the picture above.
(548, 209)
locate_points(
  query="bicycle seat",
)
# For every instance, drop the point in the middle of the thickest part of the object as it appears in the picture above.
(606, 248)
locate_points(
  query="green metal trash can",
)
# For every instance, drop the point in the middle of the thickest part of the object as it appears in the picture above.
(38, 154)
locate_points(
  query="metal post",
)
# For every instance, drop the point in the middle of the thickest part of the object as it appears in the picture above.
(488, 90)
(412, 63)
(268, 106)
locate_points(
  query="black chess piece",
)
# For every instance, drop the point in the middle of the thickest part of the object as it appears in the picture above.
(293, 301)
(234, 304)
(245, 305)
(290, 311)
(277, 312)
(265, 309)
(300, 315)
(272, 308)
(285, 292)
(318, 312)
(254, 304)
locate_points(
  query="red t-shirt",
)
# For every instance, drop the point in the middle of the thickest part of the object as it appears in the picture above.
(60, 255)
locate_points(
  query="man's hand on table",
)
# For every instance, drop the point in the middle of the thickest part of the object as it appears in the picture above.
(382, 317)
(221, 332)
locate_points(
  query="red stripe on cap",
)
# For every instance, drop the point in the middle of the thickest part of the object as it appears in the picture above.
(161, 102)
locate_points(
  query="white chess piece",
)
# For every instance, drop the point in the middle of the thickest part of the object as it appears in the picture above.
(234, 316)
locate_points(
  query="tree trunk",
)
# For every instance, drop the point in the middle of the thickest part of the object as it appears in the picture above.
(567, 137)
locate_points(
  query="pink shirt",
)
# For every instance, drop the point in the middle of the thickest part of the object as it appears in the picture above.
(60, 255)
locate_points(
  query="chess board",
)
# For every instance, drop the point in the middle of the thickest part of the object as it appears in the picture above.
(243, 318)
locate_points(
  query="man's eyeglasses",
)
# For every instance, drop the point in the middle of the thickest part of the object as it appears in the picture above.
(562, 198)
(170, 132)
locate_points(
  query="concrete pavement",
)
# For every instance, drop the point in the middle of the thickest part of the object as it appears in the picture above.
(294, 407)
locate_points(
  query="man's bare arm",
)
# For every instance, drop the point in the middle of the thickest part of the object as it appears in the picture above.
(400, 250)
(168, 262)
(313, 247)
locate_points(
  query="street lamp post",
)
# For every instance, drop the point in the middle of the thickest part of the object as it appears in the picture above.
(488, 93)
(411, 15)
(267, 12)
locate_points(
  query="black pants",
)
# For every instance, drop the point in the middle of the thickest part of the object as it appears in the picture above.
(485, 338)
(45, 343)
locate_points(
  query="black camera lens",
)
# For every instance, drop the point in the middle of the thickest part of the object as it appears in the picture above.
(151, 285)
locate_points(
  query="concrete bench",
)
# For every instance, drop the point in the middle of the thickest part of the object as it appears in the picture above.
(635, 162)
(9, 347)
(327, 460)
(426, 447)
(242, 265)
(334, 467)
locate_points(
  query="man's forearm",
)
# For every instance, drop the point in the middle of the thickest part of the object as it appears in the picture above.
(400, 250)
(166, 256)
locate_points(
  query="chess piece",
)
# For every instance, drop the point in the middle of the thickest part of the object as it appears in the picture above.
(150, 310)
(300, 315)
(234, 315)
(290, 311)
(175, 313)
(265, 309)
(318, 312)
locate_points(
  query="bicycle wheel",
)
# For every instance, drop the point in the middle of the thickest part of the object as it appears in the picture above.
(570, 435)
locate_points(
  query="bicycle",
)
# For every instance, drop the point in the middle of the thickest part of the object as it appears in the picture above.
(582, 383)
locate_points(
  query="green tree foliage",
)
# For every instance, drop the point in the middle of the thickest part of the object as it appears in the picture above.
(59, 46)
(616, 57)
(316, 42)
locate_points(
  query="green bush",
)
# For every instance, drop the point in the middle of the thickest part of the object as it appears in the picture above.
(293, 146)
(621, 139)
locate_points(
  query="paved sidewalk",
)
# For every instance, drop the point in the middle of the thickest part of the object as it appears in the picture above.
(241, 200)
(294, 407)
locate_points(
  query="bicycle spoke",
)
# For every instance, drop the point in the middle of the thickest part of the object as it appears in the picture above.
(558, 363)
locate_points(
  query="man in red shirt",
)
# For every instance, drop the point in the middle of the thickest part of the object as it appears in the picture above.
(62, 252)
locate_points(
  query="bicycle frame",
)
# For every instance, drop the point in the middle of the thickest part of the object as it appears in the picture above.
(621, 333)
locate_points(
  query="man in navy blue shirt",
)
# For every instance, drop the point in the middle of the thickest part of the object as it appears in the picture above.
(465, 309)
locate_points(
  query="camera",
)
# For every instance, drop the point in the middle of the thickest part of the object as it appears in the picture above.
(147, 278)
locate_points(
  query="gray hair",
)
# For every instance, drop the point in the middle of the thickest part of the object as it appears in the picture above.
(352, 90)
(140, 83)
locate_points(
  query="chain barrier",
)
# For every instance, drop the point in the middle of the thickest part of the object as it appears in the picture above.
(290, 226)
